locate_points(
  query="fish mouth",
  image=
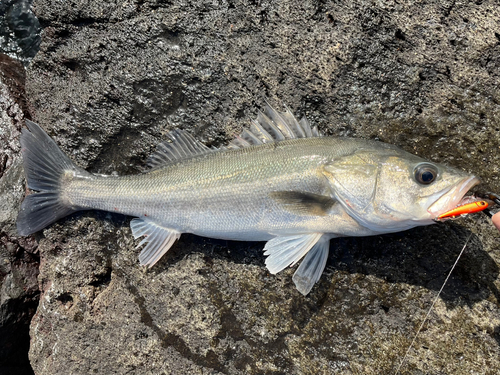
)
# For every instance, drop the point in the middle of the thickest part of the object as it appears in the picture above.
(451, 197)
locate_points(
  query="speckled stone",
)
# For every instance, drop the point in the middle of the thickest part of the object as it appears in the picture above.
(18, 256)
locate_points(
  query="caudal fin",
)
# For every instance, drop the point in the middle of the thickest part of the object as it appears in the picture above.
(44, 165)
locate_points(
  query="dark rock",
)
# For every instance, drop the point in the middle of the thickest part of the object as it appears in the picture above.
(18, 256)
(112, 78)
(19, 30)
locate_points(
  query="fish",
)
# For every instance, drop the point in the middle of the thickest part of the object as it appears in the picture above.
(279, 181)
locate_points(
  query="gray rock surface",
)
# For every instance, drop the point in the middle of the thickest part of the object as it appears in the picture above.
(112, 78)
(19, 259)
(19, 30)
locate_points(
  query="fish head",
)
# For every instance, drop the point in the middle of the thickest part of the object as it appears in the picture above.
(387, 189)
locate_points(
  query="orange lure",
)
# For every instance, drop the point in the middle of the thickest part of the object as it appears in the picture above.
(468, 208)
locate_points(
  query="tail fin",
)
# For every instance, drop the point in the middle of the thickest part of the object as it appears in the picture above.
(44, 165)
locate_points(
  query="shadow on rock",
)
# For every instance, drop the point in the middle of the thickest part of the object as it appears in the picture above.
(424, 257)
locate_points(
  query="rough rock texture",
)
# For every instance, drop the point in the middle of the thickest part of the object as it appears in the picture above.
(19, 30)
(112, 77)
(18, 256)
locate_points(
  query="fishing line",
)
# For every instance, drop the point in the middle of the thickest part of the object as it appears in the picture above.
(432, 306)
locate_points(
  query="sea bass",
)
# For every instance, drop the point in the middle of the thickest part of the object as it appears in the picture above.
(279, 181)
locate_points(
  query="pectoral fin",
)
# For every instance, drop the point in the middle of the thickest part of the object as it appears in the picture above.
(303, 203)
(158, 239)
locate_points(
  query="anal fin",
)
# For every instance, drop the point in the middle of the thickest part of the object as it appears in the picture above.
(158, 240)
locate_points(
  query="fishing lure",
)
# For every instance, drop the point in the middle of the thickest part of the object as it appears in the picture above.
(468, 208)
(495, 198)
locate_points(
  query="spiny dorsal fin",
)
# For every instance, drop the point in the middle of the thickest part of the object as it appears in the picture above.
(272, 126)
(269, 126)
(181, 145)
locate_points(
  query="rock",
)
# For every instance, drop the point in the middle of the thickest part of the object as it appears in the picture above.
(112, 78)
(18, 256)
(19, 30)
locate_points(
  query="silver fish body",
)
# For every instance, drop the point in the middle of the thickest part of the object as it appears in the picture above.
(227, 194)
(279, 183)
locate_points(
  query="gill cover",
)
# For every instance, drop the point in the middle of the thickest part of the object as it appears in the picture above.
(372, 187)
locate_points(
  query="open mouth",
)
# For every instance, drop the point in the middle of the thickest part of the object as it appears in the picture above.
(455, 196)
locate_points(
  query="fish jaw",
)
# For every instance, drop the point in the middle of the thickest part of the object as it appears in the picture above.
(449, 199)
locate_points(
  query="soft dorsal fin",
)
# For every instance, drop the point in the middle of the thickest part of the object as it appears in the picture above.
(272, 126)
(180, 145)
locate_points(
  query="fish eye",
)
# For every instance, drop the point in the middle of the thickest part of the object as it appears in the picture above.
(425, 174)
